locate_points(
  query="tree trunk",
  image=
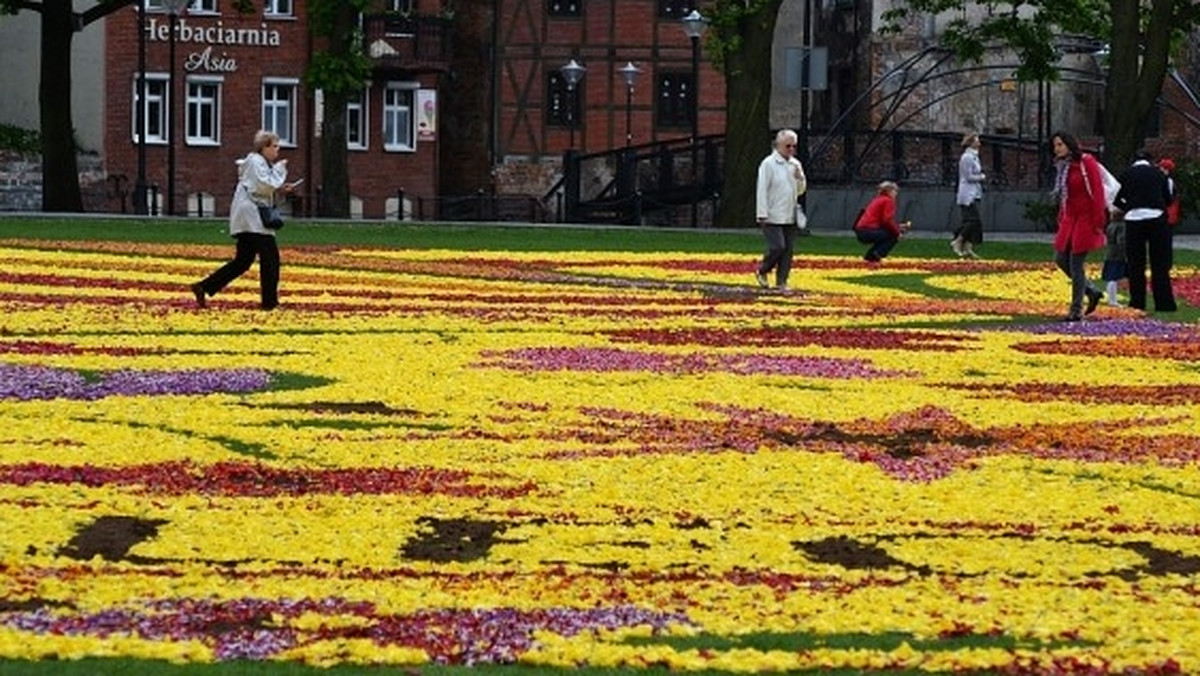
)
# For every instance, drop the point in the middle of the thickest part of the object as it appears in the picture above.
(335, 170)
(748, 122)
(1137, 69)
(464, 139)
(60, 169)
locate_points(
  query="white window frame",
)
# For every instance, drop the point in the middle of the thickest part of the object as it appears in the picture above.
(272, 106)
(196, 6)
(203, 7)
(357, 122)
(210, 137)
(277, 8)
(156, 107)
(395, 114)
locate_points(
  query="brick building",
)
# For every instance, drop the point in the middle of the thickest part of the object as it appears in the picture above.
(236, 73)
(538, 114)
(474, 101)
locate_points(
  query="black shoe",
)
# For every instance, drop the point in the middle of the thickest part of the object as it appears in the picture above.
(198, 292)
(1093, 300)
(1072, 318)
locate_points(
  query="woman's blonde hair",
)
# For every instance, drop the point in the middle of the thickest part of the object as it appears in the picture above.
(969, 139)
(264, 138)
(888, 186)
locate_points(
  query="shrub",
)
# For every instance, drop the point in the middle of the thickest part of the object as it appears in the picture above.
(1042, 213)
(20, 140)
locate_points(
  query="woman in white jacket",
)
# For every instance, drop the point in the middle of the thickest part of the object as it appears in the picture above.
(969, 233)
(260, 175)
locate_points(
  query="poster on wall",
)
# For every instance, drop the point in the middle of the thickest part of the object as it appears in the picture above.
(426, 114)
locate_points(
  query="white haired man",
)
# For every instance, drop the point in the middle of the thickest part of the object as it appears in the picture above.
(780, 183)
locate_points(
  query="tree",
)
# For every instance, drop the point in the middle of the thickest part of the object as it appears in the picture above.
(339, 70)
(1140, 35)
(60, 22)
(742, 40)
(60, 169)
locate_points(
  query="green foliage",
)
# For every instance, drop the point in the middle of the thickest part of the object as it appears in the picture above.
(130, 667)
(336, 73)
(1044, 213)
(729, 22)
(1028, 27)
(1187, 186)
(884, 641)
(344, 66)
(20, 140)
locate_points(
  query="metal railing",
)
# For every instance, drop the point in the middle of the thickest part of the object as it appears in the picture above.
(399, 41)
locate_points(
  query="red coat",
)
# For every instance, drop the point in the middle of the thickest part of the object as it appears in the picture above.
(880, 213)
(1173, 210)
(1082, 210)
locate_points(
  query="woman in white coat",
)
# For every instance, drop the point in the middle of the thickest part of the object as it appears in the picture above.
(260, 175)
(969, 233)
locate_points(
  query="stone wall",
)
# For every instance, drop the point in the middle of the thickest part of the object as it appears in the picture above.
(21, 183)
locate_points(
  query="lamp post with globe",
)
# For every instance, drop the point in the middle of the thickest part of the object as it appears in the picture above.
(175, 8)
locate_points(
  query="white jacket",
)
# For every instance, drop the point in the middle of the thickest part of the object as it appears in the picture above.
(257, 182)
(780, 181)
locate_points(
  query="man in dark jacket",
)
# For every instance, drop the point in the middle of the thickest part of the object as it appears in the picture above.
(1143, 198)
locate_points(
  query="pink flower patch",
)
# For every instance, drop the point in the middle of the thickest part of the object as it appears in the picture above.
(612, 360)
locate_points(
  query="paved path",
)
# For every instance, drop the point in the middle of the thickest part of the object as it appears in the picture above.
(1181, 241)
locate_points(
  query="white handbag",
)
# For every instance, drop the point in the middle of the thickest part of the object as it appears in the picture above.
(801, 218)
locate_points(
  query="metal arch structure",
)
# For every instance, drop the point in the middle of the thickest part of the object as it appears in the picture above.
(892, 101)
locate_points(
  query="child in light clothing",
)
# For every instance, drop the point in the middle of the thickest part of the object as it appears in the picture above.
(1114, 261)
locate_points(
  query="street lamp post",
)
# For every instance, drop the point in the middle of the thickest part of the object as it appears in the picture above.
(694, 24)
(140, 205)
(629, 72)
(175, 7)
(573, 72)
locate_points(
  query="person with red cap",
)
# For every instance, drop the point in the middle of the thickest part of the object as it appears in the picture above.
(1173, 211)
(1168, 167)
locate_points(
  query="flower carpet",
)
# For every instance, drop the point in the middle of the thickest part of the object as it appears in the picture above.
(593, 459)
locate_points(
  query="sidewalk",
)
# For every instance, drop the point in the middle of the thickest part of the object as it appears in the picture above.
(1181, 241)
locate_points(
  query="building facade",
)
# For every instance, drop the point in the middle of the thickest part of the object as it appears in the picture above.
(232, 74)
(472, 98)
(538, 114)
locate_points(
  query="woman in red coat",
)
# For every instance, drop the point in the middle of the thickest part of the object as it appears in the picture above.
(1082, 216)
(877, 224)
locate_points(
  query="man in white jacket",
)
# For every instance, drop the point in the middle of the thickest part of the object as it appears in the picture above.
(781, 181)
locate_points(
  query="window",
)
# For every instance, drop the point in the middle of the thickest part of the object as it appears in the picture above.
(564, 7)
(562, 101)
(399, 20)
(279, 109)
(202, 6)
(674, 105)
(155, 108)
(398, 121)
(356, 121)
(675, 9)
(279, 8)
(203, 111)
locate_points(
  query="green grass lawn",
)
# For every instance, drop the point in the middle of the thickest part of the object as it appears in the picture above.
(505, 237)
